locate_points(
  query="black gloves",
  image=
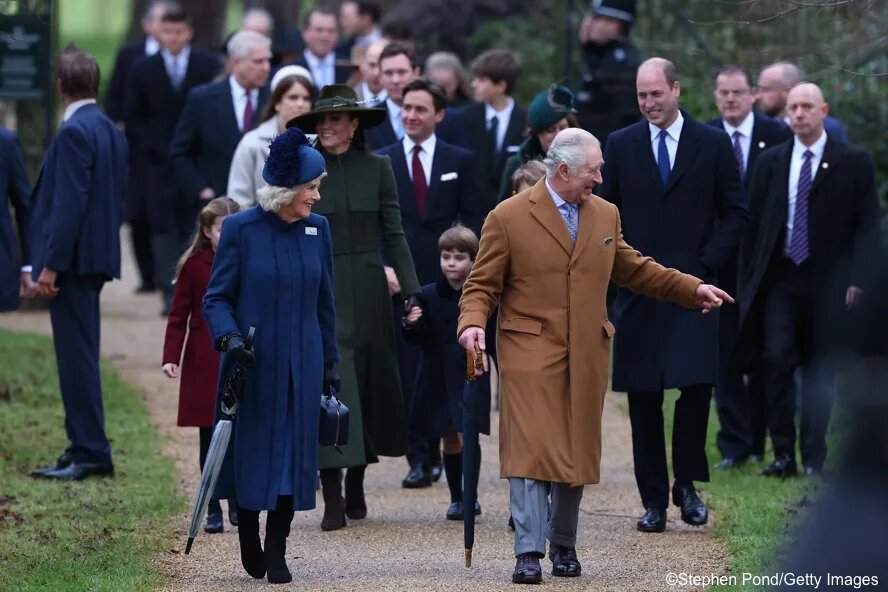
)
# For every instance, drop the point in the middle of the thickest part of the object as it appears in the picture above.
(233, 345)
(412, 300)
(331, 380)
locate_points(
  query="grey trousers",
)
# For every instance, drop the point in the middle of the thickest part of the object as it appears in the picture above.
(535, 520)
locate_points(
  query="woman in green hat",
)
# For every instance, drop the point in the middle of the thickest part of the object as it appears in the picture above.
(551, 111)
(361, 204)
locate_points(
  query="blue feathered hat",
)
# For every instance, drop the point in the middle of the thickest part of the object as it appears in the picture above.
(291, 160)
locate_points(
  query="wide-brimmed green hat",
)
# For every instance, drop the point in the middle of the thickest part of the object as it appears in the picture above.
(338, 98)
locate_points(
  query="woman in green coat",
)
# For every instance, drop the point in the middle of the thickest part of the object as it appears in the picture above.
(361, 204)
(551, 111)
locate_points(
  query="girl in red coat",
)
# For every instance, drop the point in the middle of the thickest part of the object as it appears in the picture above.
(200, 364)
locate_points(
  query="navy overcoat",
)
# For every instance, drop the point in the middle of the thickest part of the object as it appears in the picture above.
(278, 277)
(14, 185)
(692, 223)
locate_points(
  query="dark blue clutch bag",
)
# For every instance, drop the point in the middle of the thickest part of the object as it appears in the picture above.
(333, 426)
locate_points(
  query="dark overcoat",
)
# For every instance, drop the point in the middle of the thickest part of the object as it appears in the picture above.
(693, 224)
(277, 277)
(843, 212)
(200, 363)
(14, 186)
(361, 204)
(438, 394)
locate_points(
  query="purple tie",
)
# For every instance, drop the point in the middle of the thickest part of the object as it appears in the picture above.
(738, 151)
(248, 114)
(798, 244)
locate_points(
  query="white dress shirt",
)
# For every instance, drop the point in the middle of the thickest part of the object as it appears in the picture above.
(425, 156)
(368, 95)
(745, 129)
(176, 66)
(673, 136)
(239, 96)
(503, 115)
(322, 69)
(795, 169)
(394, 114)
(70, 109)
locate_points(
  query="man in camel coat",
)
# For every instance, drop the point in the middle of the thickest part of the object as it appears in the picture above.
(546, 258)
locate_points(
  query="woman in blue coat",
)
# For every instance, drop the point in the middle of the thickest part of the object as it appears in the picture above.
(274, 270)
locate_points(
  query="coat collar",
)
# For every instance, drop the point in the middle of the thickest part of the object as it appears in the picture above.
(549, 217)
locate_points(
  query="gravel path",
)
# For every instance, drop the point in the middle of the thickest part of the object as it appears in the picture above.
(405, 543)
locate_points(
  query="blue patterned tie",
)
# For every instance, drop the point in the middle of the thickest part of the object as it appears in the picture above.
(738, 152)
(570, 214)
(798, 244)
(663, 158)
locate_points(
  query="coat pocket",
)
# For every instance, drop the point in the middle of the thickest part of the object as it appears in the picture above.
(609, 329)
(521, 333)
(523, 325)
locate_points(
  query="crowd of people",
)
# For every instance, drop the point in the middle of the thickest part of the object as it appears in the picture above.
(335, 201)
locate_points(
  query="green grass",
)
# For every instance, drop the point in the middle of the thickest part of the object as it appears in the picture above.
(98, 534)
(754, 515)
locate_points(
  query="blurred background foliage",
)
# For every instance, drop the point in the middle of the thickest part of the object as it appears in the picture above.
(840, 44)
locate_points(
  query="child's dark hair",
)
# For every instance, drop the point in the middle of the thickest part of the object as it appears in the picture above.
(459, 238)
(221, 206)
(498, 65)
(528, 174)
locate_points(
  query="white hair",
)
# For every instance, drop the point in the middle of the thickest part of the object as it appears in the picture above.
(242, 42)
(272, 198)
(569, 148)
(259, 14)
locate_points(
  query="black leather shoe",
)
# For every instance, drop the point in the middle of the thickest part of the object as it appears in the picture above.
(564, 561)
(730, 462)
(62, 462)
(77, 471)
(455, 511)
(232, 515)
(654, 520)
(416, 478)
(214, 524)
(436, 471)
(811, 471)
(527, 569)
(781, 467)
(693, 510)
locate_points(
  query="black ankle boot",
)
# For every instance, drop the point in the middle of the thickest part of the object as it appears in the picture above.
(334, 505)
(251, 550)
(355, 505)
(277, 529)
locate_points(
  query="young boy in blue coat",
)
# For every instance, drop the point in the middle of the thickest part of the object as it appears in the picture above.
(437, 412)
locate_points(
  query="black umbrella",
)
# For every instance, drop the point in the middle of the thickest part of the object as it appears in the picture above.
(474, 364)
(229, 398)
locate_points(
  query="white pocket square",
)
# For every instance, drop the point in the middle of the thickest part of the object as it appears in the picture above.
(449, 177)
(512, 149)
(311, 230)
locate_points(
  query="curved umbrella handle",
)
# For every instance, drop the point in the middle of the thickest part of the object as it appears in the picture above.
(248, 341)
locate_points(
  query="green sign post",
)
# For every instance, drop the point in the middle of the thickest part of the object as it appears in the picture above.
(24, 57)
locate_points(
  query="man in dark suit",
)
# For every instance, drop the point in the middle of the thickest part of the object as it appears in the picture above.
(15, 280)
(75, 248)
(359, 21)
(115, 99)
(397, 68)
(156, 93)
(436, 187)
(495, 73)
(813, 210)
(676, 183)
(741, 409)
(215, 117)
(320, 34)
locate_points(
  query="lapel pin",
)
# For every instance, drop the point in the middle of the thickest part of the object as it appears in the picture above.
(825, 165)
(761, 144)
(608, 240)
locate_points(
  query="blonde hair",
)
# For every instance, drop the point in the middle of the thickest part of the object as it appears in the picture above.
(221, 206)
(528, 174)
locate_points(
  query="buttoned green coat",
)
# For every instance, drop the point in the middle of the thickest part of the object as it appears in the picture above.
(360, 200)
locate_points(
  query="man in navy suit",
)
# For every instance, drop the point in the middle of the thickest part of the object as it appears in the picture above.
(158, 86)
(397, 68)
(741, 409)
(75, 248)
(320, 34)
(805, 257)
(115, 99)
(216, 116)
(437, 187)
(15, 280)
(676, 183)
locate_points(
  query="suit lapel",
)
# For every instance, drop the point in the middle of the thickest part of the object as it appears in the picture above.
(435, 182)
(832, 156)
(160, 73)
(402, 174)
(587, 221)
(547, 215)
(781, 179)
(225, 107)
(646, 154)
(688, 145)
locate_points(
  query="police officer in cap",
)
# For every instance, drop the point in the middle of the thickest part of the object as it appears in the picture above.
(606, 99)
